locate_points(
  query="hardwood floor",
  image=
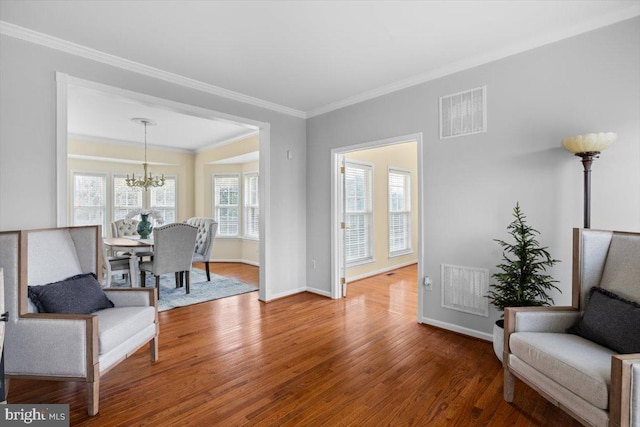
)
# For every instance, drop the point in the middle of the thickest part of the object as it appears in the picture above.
(304, 360)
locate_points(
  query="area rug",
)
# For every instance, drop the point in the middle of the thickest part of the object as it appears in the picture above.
(199, 289)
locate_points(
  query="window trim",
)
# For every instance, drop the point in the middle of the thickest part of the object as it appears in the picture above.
(370, 213)
(407, 212)
(215, 207)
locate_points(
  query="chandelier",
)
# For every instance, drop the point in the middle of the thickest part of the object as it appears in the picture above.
(147, 179)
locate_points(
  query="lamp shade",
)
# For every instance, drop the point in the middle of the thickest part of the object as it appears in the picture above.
(589, 142)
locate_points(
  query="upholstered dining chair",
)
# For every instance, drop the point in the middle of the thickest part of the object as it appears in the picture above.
(112, 265)
(207, 228)
(62, 325)
(124, 228)
(173, 250)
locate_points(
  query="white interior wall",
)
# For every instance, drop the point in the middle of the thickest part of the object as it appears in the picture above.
(587, 83)
(28, 148)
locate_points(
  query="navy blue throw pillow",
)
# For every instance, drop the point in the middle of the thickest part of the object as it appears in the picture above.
(610, 321)
(81, 294)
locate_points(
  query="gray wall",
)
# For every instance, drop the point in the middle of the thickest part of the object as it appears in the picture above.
(28, 147)
(588, 83)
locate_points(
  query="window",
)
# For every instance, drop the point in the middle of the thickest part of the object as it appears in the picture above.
(125, 198)
(358, 213)
(226, 190)
(163, 199)
(251, 207)
(89, 199)
(399, 212)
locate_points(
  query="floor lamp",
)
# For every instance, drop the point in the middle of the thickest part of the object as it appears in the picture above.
(588, 147)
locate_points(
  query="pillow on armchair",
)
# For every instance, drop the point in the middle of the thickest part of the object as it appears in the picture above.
(81, 294)
(610, 321)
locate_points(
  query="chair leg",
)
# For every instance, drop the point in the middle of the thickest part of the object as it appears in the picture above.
(208, 274)
(177, 279)
(158, 285)
(93, 397)
(509, 385)
(186, 273)
(153, 349)
(142, 278)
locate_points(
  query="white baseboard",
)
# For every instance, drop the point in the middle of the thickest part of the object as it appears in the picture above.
(457, 328)
(241, 261)
(319, 292)
(285, 294)
(381, 271)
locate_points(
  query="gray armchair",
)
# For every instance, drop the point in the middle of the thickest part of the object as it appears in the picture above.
(593, 383)
(69, 347)
(207, 228)
(173, 249)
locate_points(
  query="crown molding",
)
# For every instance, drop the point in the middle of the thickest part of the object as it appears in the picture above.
(26, 34)
(42, 39)
(541, 40)
(227, 141)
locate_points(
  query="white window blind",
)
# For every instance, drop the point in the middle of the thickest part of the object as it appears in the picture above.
(251, 206)
(89, 199)
(125, 198)
(163, 199)
(399, 212)
(358, 212)
(226, 190)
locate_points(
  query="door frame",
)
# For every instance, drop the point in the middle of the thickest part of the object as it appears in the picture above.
(336, 206)
(63, 81)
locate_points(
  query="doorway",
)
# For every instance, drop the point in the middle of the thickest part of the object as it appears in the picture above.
(358, 249)
(65, 82)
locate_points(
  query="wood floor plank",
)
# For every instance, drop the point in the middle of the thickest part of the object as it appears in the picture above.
(304, 360)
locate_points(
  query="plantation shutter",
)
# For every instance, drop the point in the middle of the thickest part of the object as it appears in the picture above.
(358, 212)
(226, 195)
(163, 199)
(125, 198)
(252, 210)
(399, 212)
(89, 199)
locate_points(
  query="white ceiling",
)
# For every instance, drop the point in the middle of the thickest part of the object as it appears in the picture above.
(312, 56)
(96, 115)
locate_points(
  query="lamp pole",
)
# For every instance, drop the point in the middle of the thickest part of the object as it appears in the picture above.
(588, 147)
(587, 160)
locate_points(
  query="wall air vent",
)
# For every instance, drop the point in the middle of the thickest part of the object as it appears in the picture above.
(463, 113)
(465, 289)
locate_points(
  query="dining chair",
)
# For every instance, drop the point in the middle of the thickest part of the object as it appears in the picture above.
(173, 250)
(207, 228)
(112, 265)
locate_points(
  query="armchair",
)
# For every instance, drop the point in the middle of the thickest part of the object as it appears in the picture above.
(592, 383)
(69, 347)
(207, 228)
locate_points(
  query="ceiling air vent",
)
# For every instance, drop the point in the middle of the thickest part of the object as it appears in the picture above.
(463, 113)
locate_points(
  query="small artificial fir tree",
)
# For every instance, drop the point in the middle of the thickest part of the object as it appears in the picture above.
(523, 281)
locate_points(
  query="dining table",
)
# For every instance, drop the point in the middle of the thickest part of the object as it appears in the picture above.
(132, 246)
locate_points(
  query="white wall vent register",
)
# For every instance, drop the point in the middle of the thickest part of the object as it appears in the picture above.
(463, 113)
(465, 289)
